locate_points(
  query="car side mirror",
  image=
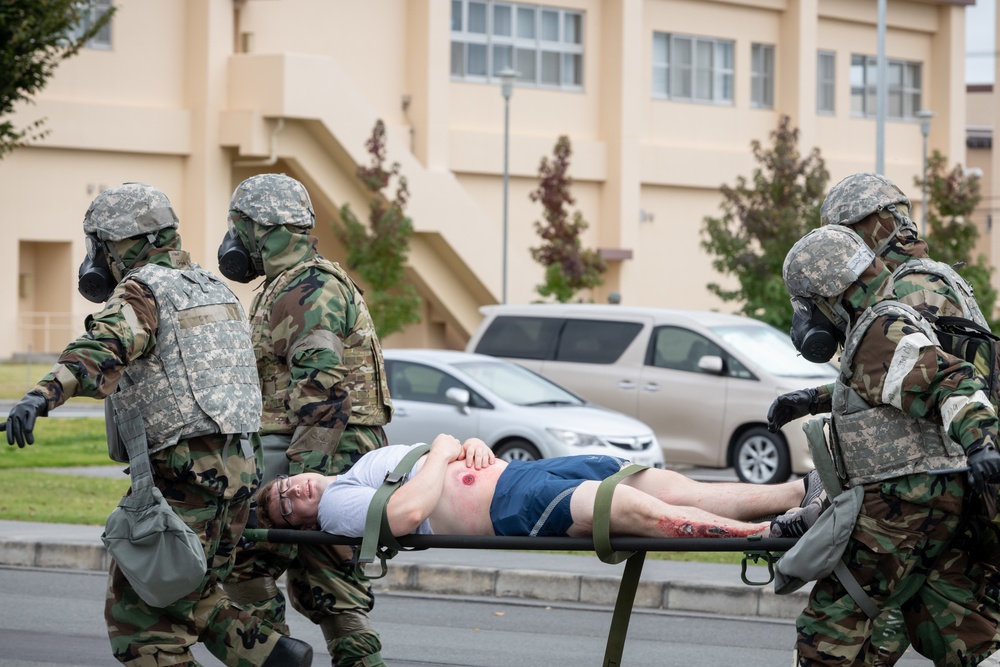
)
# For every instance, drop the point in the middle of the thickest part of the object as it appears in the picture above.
(459, 397)
(710, 363)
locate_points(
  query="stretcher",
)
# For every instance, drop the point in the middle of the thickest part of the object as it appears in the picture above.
(633, 550)
(379, 543)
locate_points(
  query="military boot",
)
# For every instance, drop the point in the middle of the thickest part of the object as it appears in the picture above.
(289, 652)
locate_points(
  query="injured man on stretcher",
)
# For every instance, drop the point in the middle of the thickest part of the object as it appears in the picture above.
(463, 489)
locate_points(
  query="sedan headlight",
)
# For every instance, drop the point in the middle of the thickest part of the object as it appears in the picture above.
(574, 439)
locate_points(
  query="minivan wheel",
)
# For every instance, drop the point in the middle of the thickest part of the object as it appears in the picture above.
(762, 457)
(517, 450)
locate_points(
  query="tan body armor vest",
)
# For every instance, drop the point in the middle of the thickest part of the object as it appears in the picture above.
(970, 309)
(880, 442)
(365, 379)
(201, 378)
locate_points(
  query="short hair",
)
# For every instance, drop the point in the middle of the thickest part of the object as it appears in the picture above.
(264, 495)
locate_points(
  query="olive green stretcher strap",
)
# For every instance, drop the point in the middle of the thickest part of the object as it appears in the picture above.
(602, 515)
(379, 541)
(633, 565)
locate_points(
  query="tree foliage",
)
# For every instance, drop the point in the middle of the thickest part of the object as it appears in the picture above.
(951, 235)
(379, 254)
(36, 36)
(761, 219)
(569, 267)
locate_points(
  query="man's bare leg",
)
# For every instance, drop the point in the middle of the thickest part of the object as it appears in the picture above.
(639, 514)
(735, 500)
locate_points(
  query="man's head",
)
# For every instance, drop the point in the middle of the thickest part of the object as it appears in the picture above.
(122, 225)
(877, 210)
(291, 502)
(832, 277)
(259, 206)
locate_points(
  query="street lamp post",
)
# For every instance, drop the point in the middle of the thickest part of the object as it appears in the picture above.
(507, 76)
(925, 117)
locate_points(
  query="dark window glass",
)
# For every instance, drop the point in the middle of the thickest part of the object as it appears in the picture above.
(595, 341)
(680, 349)
(521, 337)
(416, 382)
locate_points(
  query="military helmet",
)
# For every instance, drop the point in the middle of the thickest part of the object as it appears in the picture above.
(274, 199)
(858, 196)
(825, 262)
(127, 210)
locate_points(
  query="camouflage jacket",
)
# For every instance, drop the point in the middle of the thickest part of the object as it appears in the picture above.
(895, 364)
(318, 357)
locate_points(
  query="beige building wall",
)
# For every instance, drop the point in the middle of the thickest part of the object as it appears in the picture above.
(196, 95)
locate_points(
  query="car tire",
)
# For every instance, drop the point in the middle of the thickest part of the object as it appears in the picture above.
(761, 457)
(517, 450)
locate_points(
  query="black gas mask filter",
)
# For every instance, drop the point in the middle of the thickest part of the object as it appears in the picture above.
(236, 262)
(813, 334)
(95, 281)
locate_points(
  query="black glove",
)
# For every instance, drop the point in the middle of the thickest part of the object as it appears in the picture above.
(985, 464)
(791, 406)
(21, 420)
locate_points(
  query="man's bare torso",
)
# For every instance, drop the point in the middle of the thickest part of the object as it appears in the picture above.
(464, 507)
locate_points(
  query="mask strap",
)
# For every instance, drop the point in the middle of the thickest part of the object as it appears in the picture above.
(902, 223)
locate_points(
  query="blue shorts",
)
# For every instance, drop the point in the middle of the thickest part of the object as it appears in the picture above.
(532, 497)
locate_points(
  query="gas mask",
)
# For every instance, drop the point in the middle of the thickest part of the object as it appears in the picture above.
(95, 280)
(813, 333)
(236, 262)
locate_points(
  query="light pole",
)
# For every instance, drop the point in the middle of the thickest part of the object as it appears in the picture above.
(507, 76)
(925, 117)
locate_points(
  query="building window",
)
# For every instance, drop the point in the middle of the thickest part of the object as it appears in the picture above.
(544, 44)
(762, 76)
(94, 10)
(825, 81)
(903, 90)
(695, 69)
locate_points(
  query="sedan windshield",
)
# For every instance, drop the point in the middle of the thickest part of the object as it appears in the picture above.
(516, 384)
(773, 351)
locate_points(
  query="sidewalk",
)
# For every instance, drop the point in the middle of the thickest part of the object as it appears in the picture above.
(556, 577)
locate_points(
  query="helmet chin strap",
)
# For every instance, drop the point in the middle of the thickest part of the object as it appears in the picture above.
(119, 263)
(903, 223)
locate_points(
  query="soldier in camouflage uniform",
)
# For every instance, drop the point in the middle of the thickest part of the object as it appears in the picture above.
(902, 408)
(325, 401)
(872, 206)
(171, 341)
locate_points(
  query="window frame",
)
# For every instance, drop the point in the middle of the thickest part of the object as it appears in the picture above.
(688, 79)
(826, 84)
(762, 75)
(98, 42)
(533, 55)
(905, 94)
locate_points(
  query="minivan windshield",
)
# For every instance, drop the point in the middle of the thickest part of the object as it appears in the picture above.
(517, 384)
(773, 351)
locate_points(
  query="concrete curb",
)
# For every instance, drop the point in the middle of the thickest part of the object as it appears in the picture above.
(74, 553)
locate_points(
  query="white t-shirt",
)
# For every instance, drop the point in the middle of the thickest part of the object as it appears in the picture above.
(344, 505)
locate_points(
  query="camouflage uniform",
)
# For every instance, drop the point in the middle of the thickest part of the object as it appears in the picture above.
(862, 202)
(884, 415)
(185, 406)
(325, 401)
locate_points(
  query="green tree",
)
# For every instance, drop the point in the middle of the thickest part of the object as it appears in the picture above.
(379, 255)
(951, 236)
(36, 36)
(762, 218)
(569, 267)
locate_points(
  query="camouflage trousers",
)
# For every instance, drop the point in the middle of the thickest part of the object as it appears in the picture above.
(967, 587)
(212, 495)
(899, 553)
(321, 581)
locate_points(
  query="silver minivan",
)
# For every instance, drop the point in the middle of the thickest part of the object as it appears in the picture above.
(702, 380)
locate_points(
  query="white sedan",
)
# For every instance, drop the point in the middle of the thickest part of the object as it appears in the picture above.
(518, 413)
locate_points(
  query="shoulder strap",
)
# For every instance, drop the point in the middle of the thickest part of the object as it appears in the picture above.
(378, 540)
(133, 433)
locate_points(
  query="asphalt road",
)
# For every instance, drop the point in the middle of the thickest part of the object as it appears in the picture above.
(52, 618)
